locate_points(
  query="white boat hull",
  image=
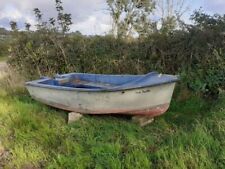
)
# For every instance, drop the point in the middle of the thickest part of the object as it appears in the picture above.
(152, 101)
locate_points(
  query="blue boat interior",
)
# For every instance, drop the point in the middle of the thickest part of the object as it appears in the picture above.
(98, 82)
(90, 80)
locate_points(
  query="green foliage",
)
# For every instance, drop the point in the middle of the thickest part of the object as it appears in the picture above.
(3, 31)
(4, 48)
(196, 53)
(4, 43)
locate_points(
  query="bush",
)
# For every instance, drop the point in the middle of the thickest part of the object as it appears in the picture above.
(4, 48)
(196, 53)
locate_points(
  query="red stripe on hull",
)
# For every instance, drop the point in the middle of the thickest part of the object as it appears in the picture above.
(155, 111)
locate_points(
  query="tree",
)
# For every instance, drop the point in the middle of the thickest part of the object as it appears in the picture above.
(27, 26)
(130, 16)
(13, 25)
(40, 25)
(204, 21)
(3, 31)
(76, 33)
(64, 19)
(170, 13)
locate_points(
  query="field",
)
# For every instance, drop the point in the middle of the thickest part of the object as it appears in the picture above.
(190, 135)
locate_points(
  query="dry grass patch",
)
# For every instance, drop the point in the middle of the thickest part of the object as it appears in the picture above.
(10, 80)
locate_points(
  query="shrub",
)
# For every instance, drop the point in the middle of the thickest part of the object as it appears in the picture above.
(196, 53)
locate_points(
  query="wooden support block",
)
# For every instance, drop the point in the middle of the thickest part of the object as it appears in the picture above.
(73, 116)
(142, 120)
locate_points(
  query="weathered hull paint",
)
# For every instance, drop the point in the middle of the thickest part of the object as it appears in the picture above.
(151, 101)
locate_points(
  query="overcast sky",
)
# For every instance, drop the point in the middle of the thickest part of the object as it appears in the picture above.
(89, 16)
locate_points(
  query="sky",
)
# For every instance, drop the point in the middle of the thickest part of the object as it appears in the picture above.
(90, 17)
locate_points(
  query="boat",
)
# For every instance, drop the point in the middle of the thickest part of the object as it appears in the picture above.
(148, 94)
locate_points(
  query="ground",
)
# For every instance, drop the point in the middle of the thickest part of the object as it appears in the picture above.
(190, 135)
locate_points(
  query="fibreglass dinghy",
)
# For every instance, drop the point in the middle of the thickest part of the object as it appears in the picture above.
(148, 94)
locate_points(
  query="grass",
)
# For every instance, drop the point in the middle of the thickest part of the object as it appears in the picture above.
(190, 135)
(3, 58)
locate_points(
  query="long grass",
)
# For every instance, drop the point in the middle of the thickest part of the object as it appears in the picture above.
(190, 135)
(3, 58)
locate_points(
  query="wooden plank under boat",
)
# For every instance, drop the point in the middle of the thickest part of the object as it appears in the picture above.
(148, 94)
